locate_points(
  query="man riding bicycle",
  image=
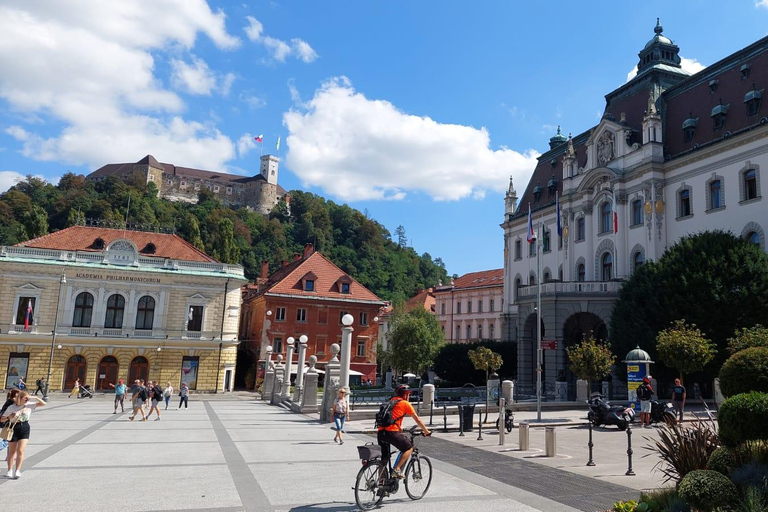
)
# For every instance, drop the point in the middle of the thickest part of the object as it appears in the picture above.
(392, 435)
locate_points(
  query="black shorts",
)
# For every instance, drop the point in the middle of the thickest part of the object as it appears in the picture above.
(396, 439)
(20, 431)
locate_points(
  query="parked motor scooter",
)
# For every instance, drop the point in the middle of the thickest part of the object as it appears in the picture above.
(602, 412)
(663, 412)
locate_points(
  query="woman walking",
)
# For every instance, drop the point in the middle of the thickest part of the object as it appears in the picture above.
(18, 415)
(119, 395)
(10, 400)
(340, 411)
(167, 394)
(184, 394)
(75, 389)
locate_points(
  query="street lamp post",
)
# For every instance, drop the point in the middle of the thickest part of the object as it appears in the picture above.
(286, 391)
(300, 368)
(346, 350)
(62, 281)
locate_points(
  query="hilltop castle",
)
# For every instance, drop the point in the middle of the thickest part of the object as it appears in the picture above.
(260, 192)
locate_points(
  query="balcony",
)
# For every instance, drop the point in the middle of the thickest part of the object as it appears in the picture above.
(19, 329)
(572, 289)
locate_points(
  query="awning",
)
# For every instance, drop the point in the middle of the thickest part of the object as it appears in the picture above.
(306, 369)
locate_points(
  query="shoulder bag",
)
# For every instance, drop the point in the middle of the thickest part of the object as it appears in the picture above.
(7, 432)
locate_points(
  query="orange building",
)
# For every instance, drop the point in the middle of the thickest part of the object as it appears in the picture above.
(309, 296)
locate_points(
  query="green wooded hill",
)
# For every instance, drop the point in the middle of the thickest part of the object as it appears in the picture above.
(359, 245)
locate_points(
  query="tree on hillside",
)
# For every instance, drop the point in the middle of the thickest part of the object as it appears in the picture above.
(590, 360)
(402, 239)
(414, 339)
(712, 279)
(684, 347)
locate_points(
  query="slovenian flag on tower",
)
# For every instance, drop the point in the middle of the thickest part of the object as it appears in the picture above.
(531, 235)
(615, 216)
(259, 138)
(559, 224)
(29, 315)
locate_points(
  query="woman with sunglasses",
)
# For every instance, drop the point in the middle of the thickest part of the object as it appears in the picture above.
(18, 415)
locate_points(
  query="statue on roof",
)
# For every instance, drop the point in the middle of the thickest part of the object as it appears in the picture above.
(605, 148)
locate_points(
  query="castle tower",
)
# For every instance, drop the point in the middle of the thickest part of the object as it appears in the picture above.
(269, 168)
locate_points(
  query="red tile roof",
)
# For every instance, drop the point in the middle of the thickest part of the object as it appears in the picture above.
(287, 280)
(82, 238)
(424, 299)
(480, 279)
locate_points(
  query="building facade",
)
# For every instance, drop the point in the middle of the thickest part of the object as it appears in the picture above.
(470, 307)
(673, 155)
(103, 304)
(309, 296)
(260, 192)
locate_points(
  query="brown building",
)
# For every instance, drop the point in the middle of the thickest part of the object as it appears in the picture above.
(260, 192)
(309, 296)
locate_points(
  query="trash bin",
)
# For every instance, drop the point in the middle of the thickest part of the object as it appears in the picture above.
(467, 415)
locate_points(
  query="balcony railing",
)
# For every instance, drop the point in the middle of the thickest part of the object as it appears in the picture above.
(19, 329)
(605, 288)
(124, 332)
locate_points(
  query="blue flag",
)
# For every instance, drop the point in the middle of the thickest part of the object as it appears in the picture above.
(531, 236)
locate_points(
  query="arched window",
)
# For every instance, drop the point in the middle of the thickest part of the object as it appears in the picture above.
(491, 328)
(607, 266)
(115, 309)
(145, 314)
(518, 249)
(581, 273)
(480, 331)
(469, 331)
(637, 260)
(605, 217)
(83, 310)
(547, 277)
(754, 238)
(518, 284)
(531, 280)
(547, 240)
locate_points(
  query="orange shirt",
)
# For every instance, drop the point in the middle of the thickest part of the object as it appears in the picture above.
(401, 409)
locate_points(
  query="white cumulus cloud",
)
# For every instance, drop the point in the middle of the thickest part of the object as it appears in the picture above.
(9, 179)
(279, 49)
(692, 66)
(245, 144)
(357, 148)
(89, 66)
(761, 3)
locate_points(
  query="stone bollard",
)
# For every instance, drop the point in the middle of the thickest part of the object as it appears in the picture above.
(502, 418)
(309, 394)
(428, 394)
(524, 438)
(331, 390)
(550, 442)
(508, 391)
(277, 381)
(269, 383)
(582, 391)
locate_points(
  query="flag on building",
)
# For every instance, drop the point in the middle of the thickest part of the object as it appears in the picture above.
(29, 315)
(531, 235)
(615, 216)
(559, 224)
(259, 138)
(277, 144)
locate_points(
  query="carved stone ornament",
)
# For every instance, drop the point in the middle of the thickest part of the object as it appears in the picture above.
(587, 207)
(605, 148)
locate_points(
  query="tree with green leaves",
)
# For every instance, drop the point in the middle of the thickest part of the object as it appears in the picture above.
(684, 347)
(590, 360)
(485, 359)
(402, 239)
(36, 222)
(414, 339)
(745, 338)
(712, 279)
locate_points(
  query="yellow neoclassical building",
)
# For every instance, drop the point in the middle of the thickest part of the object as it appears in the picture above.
(100, 304)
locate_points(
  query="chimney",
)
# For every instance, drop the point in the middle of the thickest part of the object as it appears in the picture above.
(296, 257)
(264, 270)
(308, 250)
(285, 263)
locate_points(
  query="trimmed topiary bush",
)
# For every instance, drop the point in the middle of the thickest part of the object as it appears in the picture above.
(707, 490)
(722, 460)
(743, 418)
(745, 371)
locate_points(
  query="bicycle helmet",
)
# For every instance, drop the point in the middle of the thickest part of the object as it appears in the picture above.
(402, 390)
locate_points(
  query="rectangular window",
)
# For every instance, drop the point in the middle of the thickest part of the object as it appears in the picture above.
(309, 285)
(750, 185)
(17, 367)
(458, 332)
(341, 315)
(581, 228)
(492, 306)
(469, 306)
(518, 249)
(229, 191)
(195, 319)
(322, 316)
(715, 193)
(277, 345)
(479, 305)
(345, 288)
(490, 331)
(216, 188)
(301, 314)
(363, 318)
(189, 365)
(469, 331)
(637, 212)
(442, 308)
(26, 306)
(458, 307)
(685, 203)
(321, 343)
(480, 332)
(361, 348)
(532, 249)
(280, 315)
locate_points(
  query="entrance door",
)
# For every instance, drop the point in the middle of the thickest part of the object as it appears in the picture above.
(108, 368)
(227, 380)
(139, 369)
(76, 367)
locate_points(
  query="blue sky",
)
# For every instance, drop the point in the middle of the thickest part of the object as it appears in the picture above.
(418, 112)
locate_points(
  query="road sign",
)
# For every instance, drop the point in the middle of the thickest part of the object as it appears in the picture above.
(549, 344)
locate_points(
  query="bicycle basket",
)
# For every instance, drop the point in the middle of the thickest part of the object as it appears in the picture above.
(369, 451)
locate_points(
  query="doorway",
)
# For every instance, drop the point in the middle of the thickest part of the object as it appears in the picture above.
(139, 369)
(76, 368)
(108, 369)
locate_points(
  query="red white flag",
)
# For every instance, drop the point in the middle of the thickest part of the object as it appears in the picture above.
(259, 138)
(28, 315)
(615, 216)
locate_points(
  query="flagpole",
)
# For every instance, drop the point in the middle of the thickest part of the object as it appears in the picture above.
(538, 327)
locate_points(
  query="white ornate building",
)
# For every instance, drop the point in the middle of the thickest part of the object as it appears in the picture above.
(680, 154)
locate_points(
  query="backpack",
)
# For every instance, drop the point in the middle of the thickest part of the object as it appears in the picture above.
(158, 392)
(143, 393)
(643, 393)
(384, 417)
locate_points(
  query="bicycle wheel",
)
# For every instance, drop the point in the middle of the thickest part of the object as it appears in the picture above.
(418, 476)
(368, 492)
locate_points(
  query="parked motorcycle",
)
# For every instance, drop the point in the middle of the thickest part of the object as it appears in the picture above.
(601, 412)
(509, 416)
(663, 412)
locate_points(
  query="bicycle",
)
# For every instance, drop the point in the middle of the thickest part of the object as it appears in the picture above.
(374, 480)
(509, 416)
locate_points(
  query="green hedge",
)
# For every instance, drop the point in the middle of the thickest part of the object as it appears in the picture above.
(745, 371)
(722, 460)
(743, 418)
(706, 490)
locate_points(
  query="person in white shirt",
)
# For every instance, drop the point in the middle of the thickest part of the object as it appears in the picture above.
(340, 411)
(18, 415)
(167, 394)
